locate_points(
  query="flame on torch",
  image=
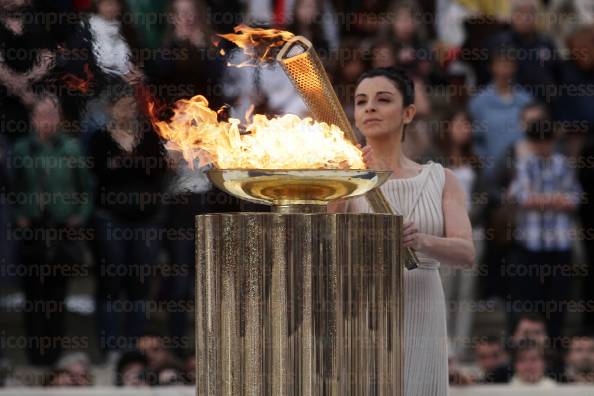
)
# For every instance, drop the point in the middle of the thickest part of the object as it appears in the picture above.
(260, 45)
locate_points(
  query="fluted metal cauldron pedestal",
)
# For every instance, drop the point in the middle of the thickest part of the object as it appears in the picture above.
(299, 304)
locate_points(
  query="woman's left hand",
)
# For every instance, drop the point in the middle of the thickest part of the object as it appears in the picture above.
(411, 237)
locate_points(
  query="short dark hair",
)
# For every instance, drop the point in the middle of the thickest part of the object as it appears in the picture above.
(531, 317)
(399, 78)
(582, 333)
(126, 359)
(541, 130)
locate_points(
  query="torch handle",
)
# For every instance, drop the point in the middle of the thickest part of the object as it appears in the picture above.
(379, 204)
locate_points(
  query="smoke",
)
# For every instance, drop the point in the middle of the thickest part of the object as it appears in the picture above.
(189, 180)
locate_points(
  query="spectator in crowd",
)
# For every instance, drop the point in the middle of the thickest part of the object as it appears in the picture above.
(564, 15)
(547, 193)
(113, 39)
(308, 21)
(149, 20)
(579, 360)
(189, 65)
(500, 216)
(132, 370)
(110, 39)
(535, 53)
(195, 68)
(58, 379)
(383, 54)
(130, 169)
(529, 366)
(492, 360)
(530, 326)
(533, 112)
(456, 375)
(407, 36)
(495, 112)
(157, 354)
(18, 73)
(170, 375)
(78, 367)
(573, 102)
(346, 66)
(479, 29)
(449, 21)
(52, 173)
(190, 368)
(457, 154)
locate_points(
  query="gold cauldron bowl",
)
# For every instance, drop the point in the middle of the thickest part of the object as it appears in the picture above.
(297, 190)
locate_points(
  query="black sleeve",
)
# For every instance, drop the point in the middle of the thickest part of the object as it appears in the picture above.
(97, 153)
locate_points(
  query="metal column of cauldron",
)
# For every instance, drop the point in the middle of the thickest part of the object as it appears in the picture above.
(299, 301)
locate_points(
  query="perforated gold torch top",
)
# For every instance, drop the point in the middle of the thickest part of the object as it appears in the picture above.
(302, 65)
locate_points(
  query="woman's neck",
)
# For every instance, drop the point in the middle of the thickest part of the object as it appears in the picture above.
(387, 151)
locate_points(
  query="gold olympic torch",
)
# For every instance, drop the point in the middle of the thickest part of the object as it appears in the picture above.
(301, 63)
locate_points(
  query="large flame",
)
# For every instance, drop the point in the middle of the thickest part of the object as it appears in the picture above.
(285, 142)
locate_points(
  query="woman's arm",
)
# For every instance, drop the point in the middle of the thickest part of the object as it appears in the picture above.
(457, 247)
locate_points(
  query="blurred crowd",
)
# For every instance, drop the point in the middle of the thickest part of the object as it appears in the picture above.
(504, 97)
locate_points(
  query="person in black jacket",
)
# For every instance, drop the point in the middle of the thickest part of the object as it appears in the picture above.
(534, 52)
(130, 167)
(187, 66)
(492, 360)
(27, 55)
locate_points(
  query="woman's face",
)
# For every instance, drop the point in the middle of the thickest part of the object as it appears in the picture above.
(378, 108)
(461, 130)
(109, 9)
(184, 14)
(404, 25)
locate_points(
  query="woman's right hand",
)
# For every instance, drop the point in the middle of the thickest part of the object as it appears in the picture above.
(411, 237)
